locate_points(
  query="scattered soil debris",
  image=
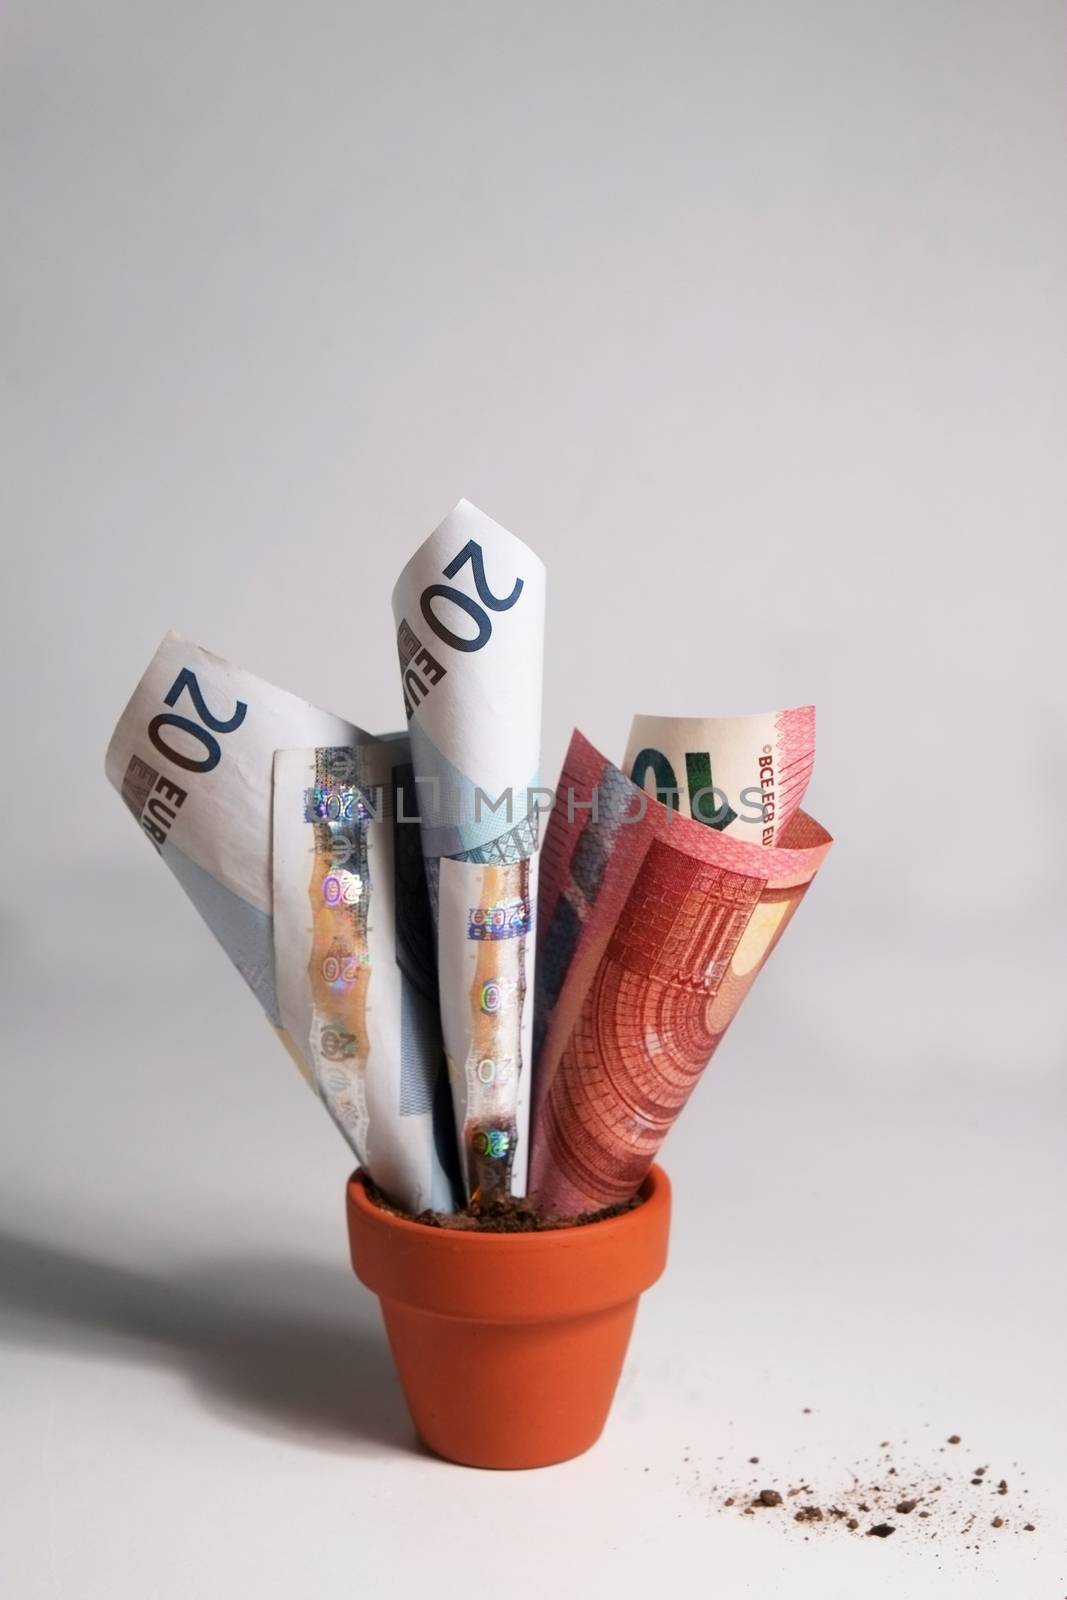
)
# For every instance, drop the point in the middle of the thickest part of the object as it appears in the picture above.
(935, 1504)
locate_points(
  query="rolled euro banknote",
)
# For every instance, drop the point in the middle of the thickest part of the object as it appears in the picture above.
(653, 929)
(191, 757)
(357, 983)
(469, 612)
(741, 775)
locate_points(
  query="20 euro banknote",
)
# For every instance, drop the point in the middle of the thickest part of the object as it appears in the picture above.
(354, 948)
(469, 611)
(192, 757)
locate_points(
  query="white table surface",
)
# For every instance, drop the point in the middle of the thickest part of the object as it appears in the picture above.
(750, 319)
(199, 1401)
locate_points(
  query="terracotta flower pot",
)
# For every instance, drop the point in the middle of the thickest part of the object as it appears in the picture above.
(509, 1345)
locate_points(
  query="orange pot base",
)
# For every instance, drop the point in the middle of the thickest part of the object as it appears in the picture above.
(509, 1347)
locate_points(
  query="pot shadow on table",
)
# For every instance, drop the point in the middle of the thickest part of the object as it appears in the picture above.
(284, 1346)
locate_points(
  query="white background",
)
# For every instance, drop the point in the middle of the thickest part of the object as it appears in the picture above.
(750, 319)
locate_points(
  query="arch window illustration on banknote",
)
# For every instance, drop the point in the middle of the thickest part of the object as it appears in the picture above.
(664, 994)
(654, 928)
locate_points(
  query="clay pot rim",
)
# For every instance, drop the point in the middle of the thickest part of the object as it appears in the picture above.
(655, 1193)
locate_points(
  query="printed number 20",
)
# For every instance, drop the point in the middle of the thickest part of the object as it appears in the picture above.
(473, 553)
(187, 681)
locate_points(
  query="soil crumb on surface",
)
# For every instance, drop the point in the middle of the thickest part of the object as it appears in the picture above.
(891, 1492)
(511, 1214)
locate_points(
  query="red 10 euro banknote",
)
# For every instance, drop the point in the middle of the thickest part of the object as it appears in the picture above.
(652, 929)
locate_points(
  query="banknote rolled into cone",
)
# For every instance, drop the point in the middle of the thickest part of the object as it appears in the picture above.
(652, 929)
(509, 1346)
(470, 614)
